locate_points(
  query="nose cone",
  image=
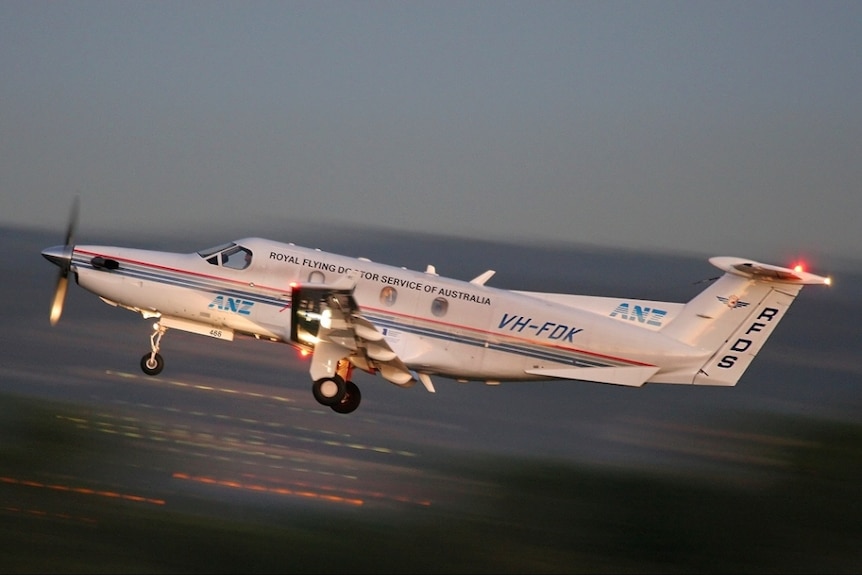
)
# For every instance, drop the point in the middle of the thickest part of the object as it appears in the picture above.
(58, 255)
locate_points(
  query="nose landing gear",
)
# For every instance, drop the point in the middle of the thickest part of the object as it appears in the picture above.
(152, 363)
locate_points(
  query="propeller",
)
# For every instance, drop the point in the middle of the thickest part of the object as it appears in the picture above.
(62, 257)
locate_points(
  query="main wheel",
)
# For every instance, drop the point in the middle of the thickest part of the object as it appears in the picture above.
(152, 365)
(350, 401)
(329, 390)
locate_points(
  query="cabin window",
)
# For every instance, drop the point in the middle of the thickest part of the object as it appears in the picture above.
(316, 277)
(388, 295)
(439, 306)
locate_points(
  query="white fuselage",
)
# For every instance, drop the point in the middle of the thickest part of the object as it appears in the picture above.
(436, 325)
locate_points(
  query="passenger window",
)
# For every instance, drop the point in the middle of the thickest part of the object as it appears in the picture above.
(316, 277)
(439, 306)
(388, 295)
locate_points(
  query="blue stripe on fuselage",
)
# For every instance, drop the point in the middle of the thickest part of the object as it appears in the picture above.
(227, 287)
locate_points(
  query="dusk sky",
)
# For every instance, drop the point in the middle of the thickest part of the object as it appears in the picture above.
(721, 128)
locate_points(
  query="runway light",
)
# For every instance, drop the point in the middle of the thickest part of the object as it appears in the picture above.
(304, 493)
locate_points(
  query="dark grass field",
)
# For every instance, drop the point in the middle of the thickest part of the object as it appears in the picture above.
(798, 513)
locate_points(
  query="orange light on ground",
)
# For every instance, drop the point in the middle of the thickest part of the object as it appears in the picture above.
(82, 490)
(308, 494)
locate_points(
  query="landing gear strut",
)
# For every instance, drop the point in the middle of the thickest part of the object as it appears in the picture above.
(152, 363)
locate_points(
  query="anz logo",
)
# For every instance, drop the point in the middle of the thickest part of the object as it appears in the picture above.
(732, 301)
(640, 314)
(232, 304)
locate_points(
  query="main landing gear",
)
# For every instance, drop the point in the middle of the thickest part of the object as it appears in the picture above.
(338, 392)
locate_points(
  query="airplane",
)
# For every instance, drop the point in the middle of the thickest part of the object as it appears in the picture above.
(407, 326)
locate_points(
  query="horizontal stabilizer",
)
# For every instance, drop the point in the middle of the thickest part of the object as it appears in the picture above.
(759, 271)
(630, 376)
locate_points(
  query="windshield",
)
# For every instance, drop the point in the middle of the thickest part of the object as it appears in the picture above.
(208, 252)
(229, 255)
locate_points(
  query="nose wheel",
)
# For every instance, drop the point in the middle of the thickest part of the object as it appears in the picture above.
(152, 363)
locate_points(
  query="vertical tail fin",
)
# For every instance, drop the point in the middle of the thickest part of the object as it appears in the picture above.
(735, 316)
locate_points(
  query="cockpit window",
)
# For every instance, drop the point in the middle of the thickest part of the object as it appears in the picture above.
(229, 255)
(237, 258)
(208, 252)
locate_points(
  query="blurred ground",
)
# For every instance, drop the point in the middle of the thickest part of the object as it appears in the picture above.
(225, 463)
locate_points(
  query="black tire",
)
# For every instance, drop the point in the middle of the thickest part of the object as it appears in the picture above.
(152, 366)
(350, 401)
(327, 394)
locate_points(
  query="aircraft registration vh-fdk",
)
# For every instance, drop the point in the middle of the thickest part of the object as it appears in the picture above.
(348, 313)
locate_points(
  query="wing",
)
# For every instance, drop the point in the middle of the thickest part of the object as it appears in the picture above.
(328, 317)
(629, 376)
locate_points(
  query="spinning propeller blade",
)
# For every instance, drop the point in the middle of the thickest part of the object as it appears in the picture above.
(62, 257)
(59, 298)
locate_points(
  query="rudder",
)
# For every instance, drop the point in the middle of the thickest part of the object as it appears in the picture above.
(731, 360)
(736, 315)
